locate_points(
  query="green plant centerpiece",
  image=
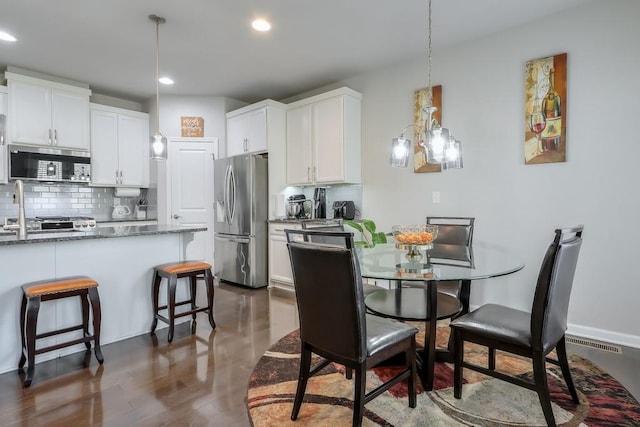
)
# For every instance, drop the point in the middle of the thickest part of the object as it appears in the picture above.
(367, 228)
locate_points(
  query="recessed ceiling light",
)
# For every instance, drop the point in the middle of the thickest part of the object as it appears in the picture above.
(165, 80)
(261, 25)
(7, 37)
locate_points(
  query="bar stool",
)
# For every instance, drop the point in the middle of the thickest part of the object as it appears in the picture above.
(46, 290)
(172, 272)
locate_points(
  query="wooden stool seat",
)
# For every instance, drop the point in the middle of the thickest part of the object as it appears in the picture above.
(45, 287)
(183, 267)
(34, 293)
(172, 272)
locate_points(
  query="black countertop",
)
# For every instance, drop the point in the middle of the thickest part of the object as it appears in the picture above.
(97, 233)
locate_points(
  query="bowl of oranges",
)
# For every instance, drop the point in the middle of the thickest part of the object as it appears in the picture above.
(420, 235)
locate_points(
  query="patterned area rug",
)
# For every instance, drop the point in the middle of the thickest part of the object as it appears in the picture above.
(485, 401)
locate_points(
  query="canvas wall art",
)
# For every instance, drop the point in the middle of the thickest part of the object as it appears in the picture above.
(545, 110)
(420, 117)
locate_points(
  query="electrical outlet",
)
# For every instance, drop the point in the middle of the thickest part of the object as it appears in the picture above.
(116, 201)
(435, 197)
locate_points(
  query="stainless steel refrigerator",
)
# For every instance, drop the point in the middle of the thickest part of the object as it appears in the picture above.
(241, 231)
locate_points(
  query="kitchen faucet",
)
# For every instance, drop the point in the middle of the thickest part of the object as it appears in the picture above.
(18, 198)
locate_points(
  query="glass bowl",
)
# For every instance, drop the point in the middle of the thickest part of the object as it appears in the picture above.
(415, 234)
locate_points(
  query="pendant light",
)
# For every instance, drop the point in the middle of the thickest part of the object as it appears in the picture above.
(158, 141)
(440, 146)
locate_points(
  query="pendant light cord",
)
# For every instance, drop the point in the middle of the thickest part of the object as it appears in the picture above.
(158, 70)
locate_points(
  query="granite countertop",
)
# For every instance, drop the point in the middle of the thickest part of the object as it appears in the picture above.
(97, 233)
(328, 221)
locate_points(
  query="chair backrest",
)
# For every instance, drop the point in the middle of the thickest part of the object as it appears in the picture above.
(323, 238)
(553, 290)
(329, 294)
(453, 230)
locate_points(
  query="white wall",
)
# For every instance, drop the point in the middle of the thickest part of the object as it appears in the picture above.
(517, 206)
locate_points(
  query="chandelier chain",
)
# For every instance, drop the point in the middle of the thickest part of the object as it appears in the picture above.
(429, 90)
(158, 70)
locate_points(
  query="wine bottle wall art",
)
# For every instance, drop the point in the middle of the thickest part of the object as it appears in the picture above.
(545, 110)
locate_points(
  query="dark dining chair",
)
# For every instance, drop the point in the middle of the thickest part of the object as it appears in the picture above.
(533, 335)
(455, 231)
(337, 240)
(333, 321)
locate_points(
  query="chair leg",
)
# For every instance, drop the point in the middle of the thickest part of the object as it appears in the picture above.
(208, 278)
(410, 357)
(97, 319)
(458, 358)
(359, 394)
(155, 290)
(348, 372)
(85, 318)
(171, 304)
(561, 351)
(542, 388)
(303, 376)
(492, 358)
(464, 295)
(23, 310)
(33, 306)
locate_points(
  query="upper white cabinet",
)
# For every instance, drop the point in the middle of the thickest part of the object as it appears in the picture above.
(119, 147)
(47, 113)
(250, 128)
(3, 134)
(323, 139)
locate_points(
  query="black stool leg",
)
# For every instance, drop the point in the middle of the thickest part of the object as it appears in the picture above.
(155, 290)
(171, 303)
(85, 317)
(208, 277)
(23, 309)
(192, 289)
(97, 319)
(33, 306)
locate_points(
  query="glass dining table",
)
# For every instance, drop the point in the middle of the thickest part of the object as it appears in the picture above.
(423, 267)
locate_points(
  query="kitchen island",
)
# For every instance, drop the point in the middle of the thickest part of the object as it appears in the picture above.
(120, 259)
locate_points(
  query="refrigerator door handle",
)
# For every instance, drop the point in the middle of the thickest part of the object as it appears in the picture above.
(234, 239)
(232, 198)
(226, 195)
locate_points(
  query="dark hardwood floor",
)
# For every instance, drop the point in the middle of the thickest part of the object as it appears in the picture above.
(199, 379)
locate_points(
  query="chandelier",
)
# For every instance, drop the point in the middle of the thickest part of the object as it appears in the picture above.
(439, 145)
(158, 141)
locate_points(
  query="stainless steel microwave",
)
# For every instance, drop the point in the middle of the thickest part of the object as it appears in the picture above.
(49, 164)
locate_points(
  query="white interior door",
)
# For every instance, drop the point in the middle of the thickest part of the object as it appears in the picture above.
(190, 167)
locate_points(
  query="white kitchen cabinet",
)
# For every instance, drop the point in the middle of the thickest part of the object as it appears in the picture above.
(323, 139)
(119, 147)
(280, 274)
(47, 113)
(250, 128)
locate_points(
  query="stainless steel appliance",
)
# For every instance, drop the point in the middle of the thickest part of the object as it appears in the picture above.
(241, 233)
(296, 207)
(320, 202)
(49, 164)
(57, 223)
(345, 209)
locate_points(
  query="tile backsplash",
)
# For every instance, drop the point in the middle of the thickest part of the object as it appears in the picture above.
(61, 199)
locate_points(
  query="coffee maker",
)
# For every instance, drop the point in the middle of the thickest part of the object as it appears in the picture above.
(320, 202)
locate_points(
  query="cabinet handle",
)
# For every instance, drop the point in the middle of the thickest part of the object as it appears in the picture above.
(245, 145)
(120, 176)
(308, 173)
(49, 136)
(176, 216)
(315, 174)
(55, 137)
(117, 176)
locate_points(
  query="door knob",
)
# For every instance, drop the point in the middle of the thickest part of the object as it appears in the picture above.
(176, 216)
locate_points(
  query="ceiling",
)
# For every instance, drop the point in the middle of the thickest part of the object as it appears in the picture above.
(209, 48)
